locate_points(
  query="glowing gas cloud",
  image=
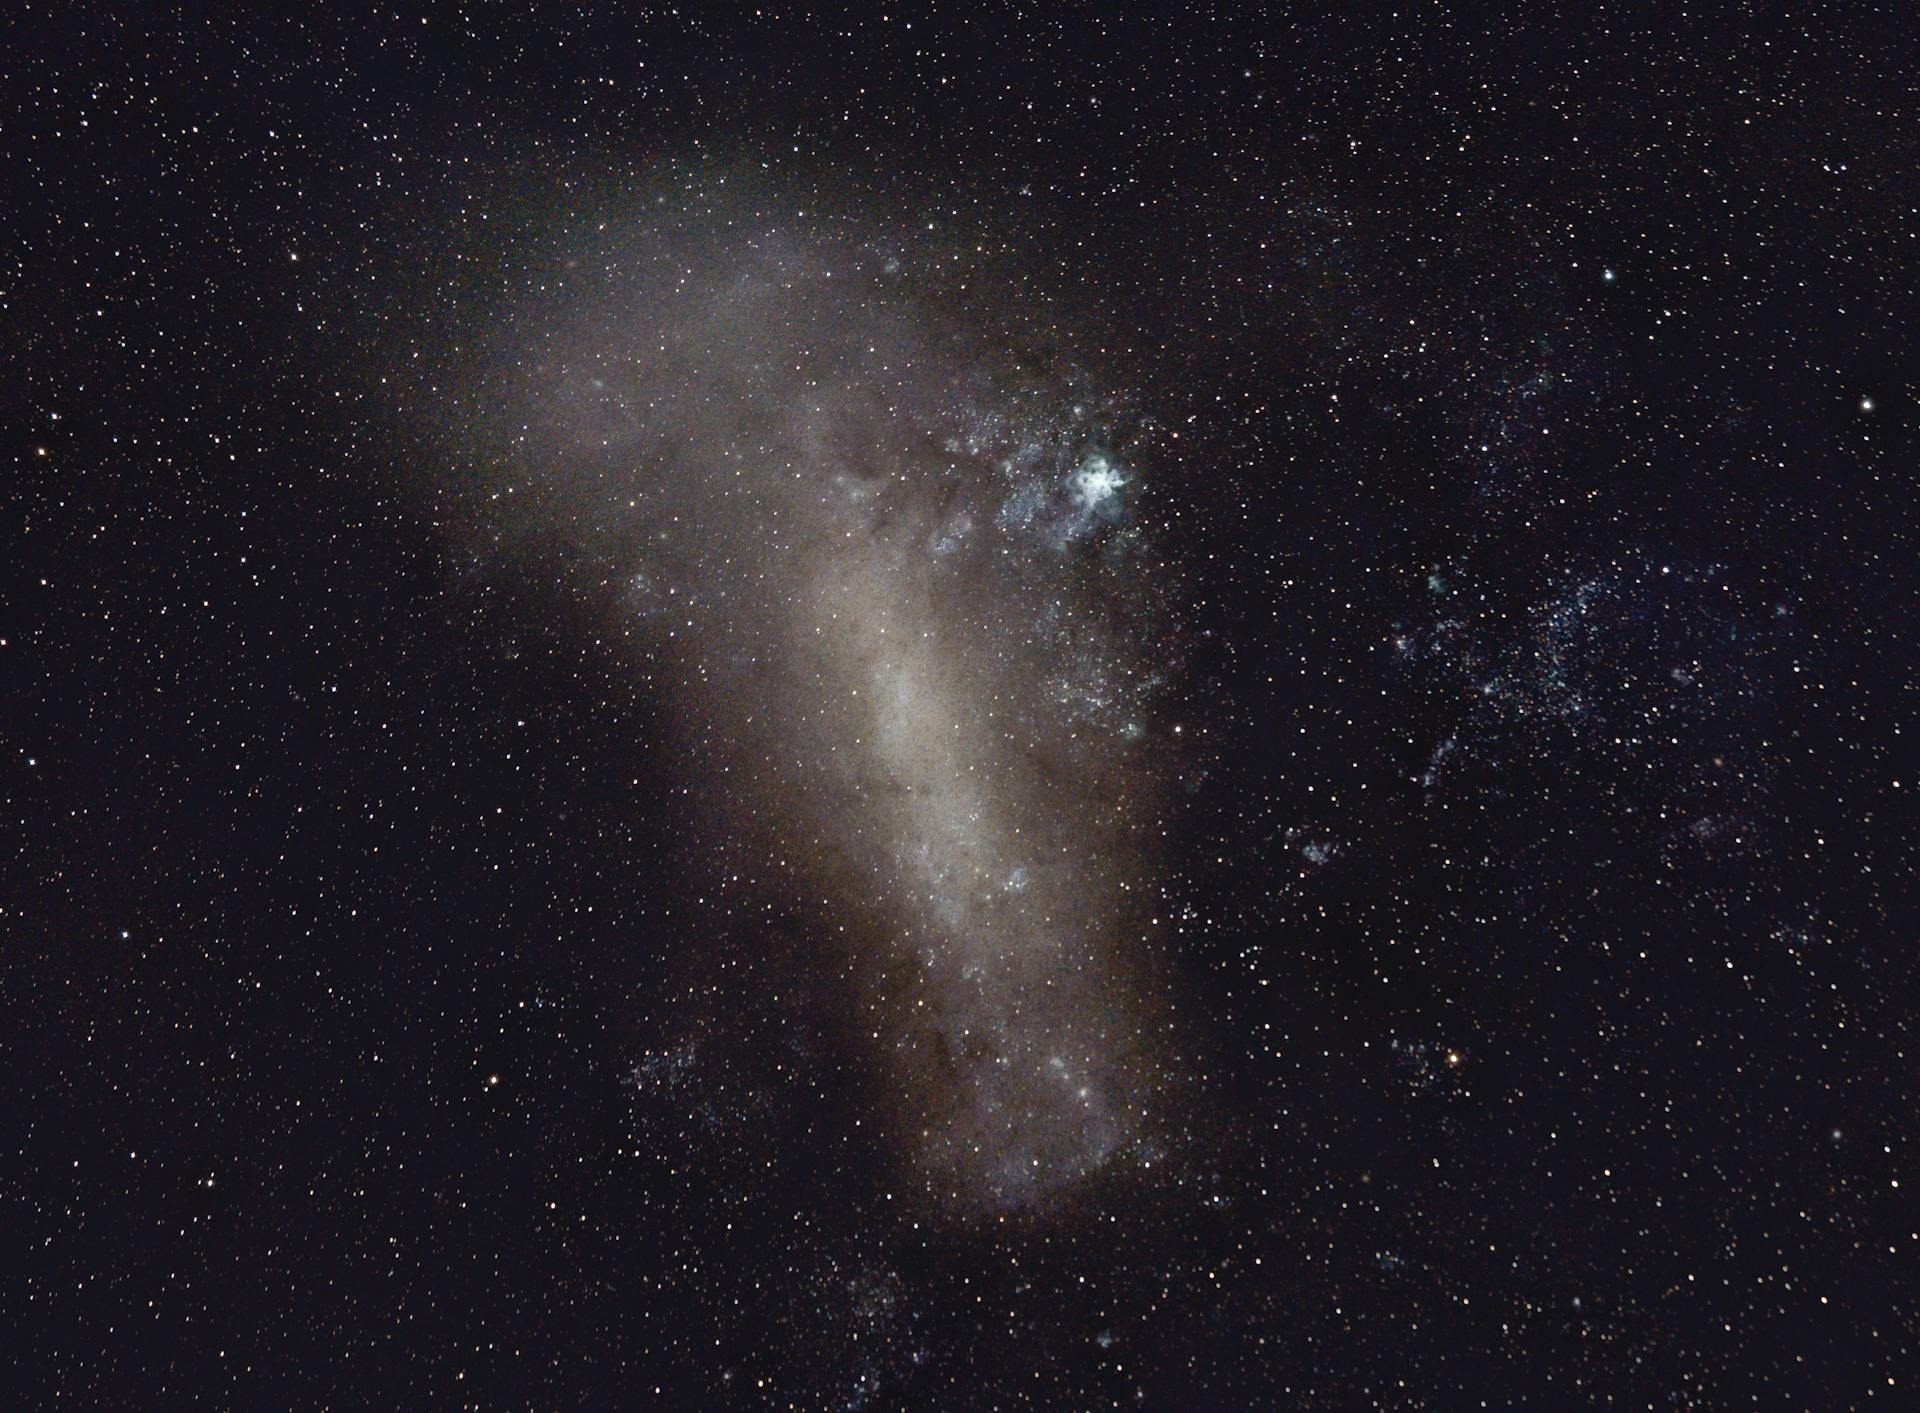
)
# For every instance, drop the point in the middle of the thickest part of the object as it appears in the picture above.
(897, 565)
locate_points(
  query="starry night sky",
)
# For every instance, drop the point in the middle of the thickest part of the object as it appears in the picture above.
(1383, 875)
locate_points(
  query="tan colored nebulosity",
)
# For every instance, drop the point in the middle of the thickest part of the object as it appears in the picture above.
(909, 616)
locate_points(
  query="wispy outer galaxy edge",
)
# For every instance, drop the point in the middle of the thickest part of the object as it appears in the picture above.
(916, 638)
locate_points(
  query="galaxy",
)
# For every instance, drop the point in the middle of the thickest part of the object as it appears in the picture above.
(928, 707)
(913, 619)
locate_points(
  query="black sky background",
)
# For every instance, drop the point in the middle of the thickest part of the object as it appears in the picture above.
(388, 1025)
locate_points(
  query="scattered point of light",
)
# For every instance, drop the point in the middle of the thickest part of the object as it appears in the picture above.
(1608, 276)
(492, 1080)
(1866, 404)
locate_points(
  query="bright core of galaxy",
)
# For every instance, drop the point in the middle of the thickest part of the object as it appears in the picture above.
(915, 638)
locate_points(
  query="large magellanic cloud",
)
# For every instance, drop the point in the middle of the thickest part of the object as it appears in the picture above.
(918, 642)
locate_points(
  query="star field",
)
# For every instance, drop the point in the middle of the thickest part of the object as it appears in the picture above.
(959, 707)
